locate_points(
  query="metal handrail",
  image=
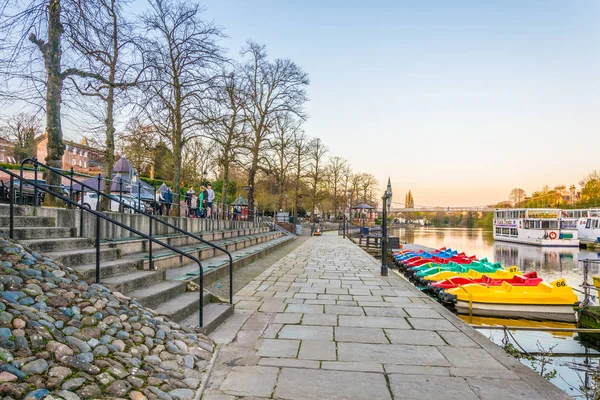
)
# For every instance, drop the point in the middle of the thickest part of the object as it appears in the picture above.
(35, 162)
(99, 216)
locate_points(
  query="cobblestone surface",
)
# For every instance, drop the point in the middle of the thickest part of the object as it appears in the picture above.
(321, 323)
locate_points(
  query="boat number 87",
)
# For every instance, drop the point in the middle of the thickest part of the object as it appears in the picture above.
(561, 284)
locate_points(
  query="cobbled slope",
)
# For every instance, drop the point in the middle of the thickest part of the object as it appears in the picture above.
(65, 338)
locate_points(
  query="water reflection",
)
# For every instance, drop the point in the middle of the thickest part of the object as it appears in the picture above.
(551, 263)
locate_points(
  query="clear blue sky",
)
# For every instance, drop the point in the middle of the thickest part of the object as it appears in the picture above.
(459, 101)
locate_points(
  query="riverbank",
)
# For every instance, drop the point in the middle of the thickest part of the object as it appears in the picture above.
(322, 323)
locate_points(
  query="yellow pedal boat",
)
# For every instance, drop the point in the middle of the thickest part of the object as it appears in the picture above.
(552, 301)
(499, 274)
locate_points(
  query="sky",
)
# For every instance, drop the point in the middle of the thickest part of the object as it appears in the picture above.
(458, 101)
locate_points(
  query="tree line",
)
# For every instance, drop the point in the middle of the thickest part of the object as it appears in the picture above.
(159, 87)
(586, 194)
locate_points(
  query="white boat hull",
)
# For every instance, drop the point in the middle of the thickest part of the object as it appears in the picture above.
(540, 242)
(563, 313)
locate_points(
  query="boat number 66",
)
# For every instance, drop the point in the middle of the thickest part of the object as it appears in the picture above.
(561, 284)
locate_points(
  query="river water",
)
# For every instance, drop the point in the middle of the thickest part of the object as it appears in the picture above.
(550, 264)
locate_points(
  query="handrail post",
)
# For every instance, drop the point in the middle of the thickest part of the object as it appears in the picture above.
(81, 212)
(35, 191)
(150, 263)
(155, 208)
(97, 249)
(201, 296)
(121, 208)
(98, 201)
(11, 229)
(140, 195)
(71, 189)
(230, 279)
(21, 186)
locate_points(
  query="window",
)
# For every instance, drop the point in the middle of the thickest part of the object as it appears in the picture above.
(588, 224)
(498, 231)
(2, 157)
(74, 162)
(85, 154)
(85, 164)
(80, 163)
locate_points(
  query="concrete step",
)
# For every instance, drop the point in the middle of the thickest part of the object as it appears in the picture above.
(18, 210)
(40, 232)
(108, 268)
(72, 258)
(130, 281)
(214, 315)
(166, 259)
(59, 244)
(158, 293)
(27, 221)
(137, 245)
(182, 306)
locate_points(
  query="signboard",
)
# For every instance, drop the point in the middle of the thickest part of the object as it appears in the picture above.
(283, 216)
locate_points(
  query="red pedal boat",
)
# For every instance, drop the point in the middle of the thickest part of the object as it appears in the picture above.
(528, 279)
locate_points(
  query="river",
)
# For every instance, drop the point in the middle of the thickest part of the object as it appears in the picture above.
(551, 264)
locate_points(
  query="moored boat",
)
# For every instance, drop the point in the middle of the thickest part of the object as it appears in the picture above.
(528, 279)
(553, 301)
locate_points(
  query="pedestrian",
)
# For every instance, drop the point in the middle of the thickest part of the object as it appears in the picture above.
(158, 200)
(188, 199)
(201, 202)
(209, 200)
(194, 206)
(168, 200)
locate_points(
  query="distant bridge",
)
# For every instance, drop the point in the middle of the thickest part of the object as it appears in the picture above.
(444, 209)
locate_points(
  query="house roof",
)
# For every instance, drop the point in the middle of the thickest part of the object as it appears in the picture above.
(123, 165)
(240, 201)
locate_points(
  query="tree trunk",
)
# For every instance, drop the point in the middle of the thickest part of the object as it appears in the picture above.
(225, 185)
(177, 149)
(52, 58)
(251, 179)
(109, 154)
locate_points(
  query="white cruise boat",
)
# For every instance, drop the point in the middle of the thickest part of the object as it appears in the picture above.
(588, 229)
(547, 227)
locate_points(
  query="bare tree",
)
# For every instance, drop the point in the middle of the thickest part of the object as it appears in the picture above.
(285, 128)
(272, 88)
(183, 60)
(227, 126)
(21, 129)
(368, 183)
(316, 153)
(335, 172)
(32, 20)
(106, 45)
(516, 197)
(300, 146)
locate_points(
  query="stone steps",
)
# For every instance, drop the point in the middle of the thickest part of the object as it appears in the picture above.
(27, 221)
(57, 244)
(25, 233)
(124, 263)
(71, 258)
(18, 210)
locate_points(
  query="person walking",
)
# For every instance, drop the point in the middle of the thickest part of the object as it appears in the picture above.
(168, 198)
(158, 200)
(209, 201)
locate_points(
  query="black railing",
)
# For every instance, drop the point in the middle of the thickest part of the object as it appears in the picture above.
(125, 205)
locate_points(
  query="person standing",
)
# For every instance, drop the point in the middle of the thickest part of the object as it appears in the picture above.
(188, 200)
(194, 206)
(158, 200)
(201, 202)
(209, 201)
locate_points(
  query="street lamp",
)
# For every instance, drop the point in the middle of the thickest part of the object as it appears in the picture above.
(349, 212)
(386, 204)
(204, 176)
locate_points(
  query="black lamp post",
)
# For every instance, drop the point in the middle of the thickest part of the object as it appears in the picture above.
(204, 175)
(386, 204)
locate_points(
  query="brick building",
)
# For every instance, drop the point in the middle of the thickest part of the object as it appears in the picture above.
(80, 156)
(7, 151)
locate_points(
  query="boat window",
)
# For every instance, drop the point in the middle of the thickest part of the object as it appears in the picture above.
(588, 224)
(568, 224)
(549, 224)
(498, 231)
(596, 223)
(514, 232)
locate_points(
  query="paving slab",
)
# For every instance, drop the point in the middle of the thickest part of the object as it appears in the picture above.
(414, 337)
(307, 332)
(360, 335)
(430, 387)
(250, 381)
(298, 384)
(279, 348)
(317, 350)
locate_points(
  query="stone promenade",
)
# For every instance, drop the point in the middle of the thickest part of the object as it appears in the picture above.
(321, 323)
